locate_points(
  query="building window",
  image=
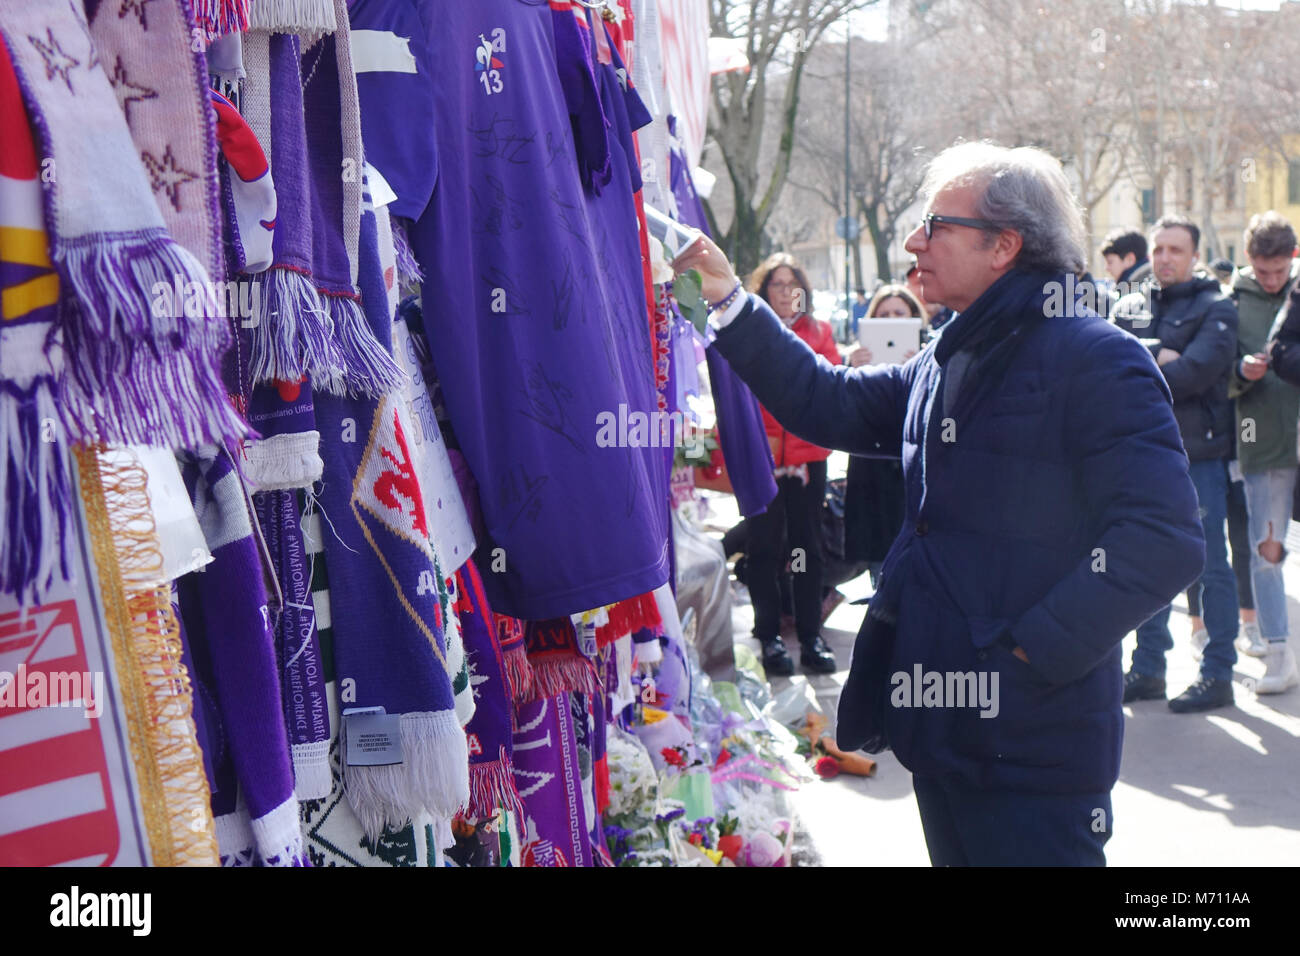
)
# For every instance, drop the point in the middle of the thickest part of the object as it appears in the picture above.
(1230, 189)
(1232, 254)
(1148, 206)
(1293, 182)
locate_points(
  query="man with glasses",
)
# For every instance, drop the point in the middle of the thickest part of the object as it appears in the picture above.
(1049, 512)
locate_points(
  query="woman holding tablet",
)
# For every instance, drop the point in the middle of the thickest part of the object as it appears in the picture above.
(873, 493)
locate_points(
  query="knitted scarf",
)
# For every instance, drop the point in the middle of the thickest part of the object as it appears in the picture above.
(227, 622)
(306, 713)
(516, 667)
(142, 368)
(550, 785)
(557, 662)
(491, 777)
(333, 834)
(308, 18)
(34, 487)
(221, 17)
(332, 116)
(290, 346)
(390, 623)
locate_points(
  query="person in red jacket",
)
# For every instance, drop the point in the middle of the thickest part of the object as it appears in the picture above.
(790, 529)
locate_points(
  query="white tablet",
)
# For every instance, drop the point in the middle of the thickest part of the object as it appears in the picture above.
(889, 339)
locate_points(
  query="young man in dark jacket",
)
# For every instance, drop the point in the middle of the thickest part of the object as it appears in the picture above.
(1191, 328)
(1049, 512)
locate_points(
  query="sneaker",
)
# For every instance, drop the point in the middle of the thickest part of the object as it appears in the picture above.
(1200, 637)
(776, 659)
(817, 657)
(1205, 694)
(1250, 642)
(1141, 687)
(1279, 669)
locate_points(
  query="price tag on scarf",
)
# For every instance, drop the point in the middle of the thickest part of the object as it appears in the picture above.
(371, 737)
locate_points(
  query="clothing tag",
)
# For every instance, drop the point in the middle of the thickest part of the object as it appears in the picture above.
(371, 738)
(381, 193)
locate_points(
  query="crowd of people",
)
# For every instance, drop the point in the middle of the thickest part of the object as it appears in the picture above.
(1040, 486)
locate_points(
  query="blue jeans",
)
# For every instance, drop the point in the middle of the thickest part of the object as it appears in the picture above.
(1268, 504)
(1219, 594)
(966, 827)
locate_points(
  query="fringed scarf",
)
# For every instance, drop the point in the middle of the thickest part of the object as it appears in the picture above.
(491, 777)
(332, 114)
(308, 18)
(290, 346)
(333, 834)
(35, 493)
(142, 368)
(221, 17)
(228, 624)
(556, 660)
(516, 667)
(625, 617)
(390, 623)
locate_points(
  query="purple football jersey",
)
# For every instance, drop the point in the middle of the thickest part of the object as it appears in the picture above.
(533, 307)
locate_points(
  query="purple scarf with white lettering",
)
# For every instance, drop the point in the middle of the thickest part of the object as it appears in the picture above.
(306, 709)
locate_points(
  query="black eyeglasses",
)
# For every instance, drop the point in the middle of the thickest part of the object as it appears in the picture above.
(927, 223)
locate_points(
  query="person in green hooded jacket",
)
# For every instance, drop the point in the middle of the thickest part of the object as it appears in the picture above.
(1267, 412)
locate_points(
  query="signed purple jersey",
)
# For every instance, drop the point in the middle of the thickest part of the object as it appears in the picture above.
(533, 302)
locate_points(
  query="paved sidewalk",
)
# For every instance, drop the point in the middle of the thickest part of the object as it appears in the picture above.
(1214, 789)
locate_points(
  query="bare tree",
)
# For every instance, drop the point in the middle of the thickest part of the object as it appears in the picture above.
(779, 35)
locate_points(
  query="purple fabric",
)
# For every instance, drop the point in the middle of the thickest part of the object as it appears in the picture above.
(533, 275)
(306, 707)
(742, 437)
(228, 623)
(292, 243)
(489, 731)
(324, 120)
(405, 153)
(284, 407)
(582, 98)
(550, 785)
(387, 634)
(740, 418)
(368, 364)
(293, 338)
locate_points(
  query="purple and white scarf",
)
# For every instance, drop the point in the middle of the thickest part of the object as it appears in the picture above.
(141, 367)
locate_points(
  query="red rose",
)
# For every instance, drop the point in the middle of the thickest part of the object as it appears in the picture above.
(672, 757)
(730, 845)
(827, 767)
(723, 757)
